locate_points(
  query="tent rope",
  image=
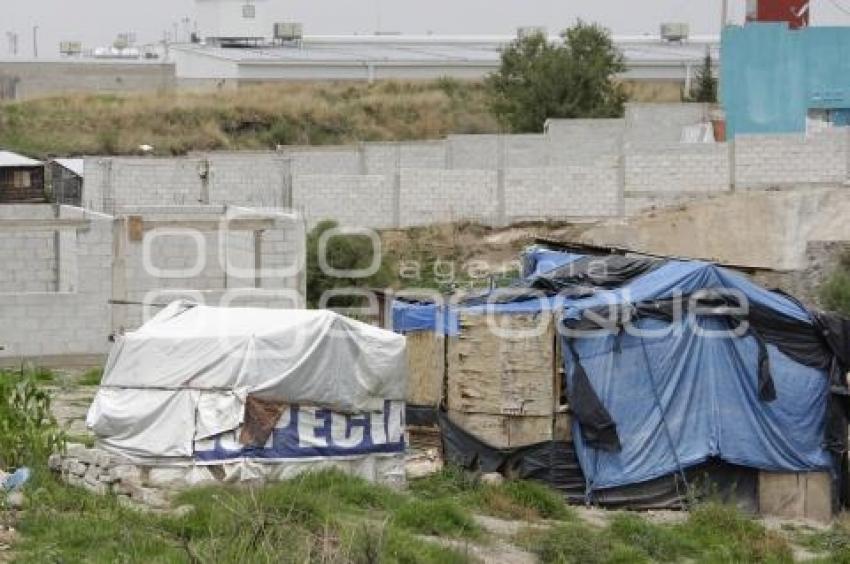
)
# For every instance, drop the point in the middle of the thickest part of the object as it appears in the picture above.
(663, 416)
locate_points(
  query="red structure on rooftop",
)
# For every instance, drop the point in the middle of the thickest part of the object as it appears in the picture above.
(795, 12)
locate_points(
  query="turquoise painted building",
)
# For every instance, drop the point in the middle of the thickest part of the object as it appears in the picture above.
(774, 78)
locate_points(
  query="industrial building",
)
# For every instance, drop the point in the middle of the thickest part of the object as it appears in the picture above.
(411, 57)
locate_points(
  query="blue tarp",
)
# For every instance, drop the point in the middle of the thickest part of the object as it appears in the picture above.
(538, 260)
(678, 398)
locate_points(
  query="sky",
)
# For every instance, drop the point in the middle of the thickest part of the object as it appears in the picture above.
(97, 22)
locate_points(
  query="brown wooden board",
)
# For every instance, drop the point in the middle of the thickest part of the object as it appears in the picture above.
(503, 372)
(426, 361)
(802, 495)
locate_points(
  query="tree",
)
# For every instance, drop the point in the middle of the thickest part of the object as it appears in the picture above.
(342, 252)
(705, 89)
(575, 78)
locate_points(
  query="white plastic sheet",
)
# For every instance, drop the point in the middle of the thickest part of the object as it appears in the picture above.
(186, 373)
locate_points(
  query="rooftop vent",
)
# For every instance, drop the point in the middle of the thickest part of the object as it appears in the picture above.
(675, 32)
(288, 31)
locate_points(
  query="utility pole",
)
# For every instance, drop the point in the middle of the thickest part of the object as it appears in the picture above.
(724, 15)
(35, 41)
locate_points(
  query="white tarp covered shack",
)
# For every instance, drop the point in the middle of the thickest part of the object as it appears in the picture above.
(258, 393)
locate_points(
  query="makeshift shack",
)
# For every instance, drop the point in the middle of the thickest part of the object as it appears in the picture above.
(21, 179)
(234, 394)
(679, 377)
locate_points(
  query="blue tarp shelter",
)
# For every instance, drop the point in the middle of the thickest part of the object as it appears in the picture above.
(740, 376)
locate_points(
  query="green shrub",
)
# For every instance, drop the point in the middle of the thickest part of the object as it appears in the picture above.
(342, 252)
(28, 430)
(540, 80)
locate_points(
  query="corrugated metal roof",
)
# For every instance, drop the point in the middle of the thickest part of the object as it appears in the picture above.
(77, 166)
(441, 49)
(9, 159)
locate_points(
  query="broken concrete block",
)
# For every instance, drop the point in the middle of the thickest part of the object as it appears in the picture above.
(77, 468)
(104, 459)
(105, 477)
(98, 488)
(492, 479)
(87, 456)
(167, 477)
(15, 500)
(126, 472)
(54, 462)
(200, 475)
(72, 450)
(183, 511)
(150, 497)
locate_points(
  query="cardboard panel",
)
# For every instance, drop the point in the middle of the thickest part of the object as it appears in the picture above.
(426, 362)
(508, 371)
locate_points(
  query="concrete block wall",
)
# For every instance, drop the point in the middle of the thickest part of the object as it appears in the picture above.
(197, 254)
(763, 161)
(115, 182)
(46, 324)
(318, 160)
(367, 200)
(29, 262)
(681, 168)
(576, 141)
(437, 196)
(649, 125)
(259, 179)
(562, 192)
(489, 178)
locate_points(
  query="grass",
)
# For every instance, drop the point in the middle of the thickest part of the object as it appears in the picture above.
(259, 117)
(513, 499)
(834, 292)
(331, 517)
(711, 533)
(326, 516)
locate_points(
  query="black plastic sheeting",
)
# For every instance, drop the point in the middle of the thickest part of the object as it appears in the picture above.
(555, 463)
(420, 416)
(611, 271)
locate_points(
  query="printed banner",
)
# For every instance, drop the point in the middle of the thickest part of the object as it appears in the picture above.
(312, 432)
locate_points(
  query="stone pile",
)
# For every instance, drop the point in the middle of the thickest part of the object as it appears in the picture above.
(103, 473)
